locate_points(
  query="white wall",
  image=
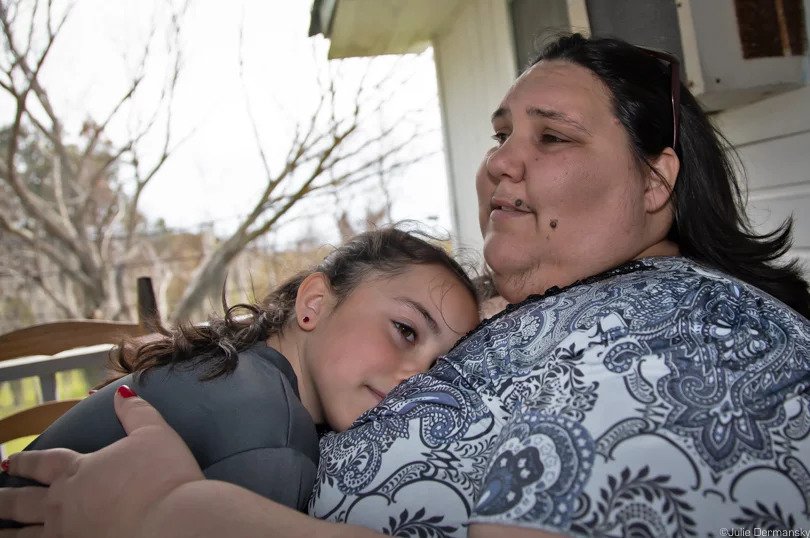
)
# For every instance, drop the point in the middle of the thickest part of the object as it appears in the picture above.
(475, 65)
(773, 139)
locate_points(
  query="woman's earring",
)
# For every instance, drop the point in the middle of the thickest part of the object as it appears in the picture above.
(306, 319)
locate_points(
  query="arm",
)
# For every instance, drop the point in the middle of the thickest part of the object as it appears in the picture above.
(159, 491)
(482, 530)
(214, 508)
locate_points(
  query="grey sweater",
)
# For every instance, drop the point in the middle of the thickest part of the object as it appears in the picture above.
(248, 427)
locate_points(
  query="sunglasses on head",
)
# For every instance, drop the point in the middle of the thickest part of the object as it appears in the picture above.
(675, 87)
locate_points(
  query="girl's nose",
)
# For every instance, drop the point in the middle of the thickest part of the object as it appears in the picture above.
(416, 365)
(505, 163)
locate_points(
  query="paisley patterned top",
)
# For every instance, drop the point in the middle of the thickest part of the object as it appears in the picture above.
(658, 399)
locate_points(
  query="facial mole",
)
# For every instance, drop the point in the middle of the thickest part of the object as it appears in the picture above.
(553, 224)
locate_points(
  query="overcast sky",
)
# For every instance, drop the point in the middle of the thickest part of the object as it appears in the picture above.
(214, 174)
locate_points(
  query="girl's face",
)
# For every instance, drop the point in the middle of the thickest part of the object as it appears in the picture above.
(388, 329)
(561, 152)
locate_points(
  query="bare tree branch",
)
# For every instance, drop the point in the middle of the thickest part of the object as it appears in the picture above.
(53, 254)
(55, 298)
(76, 196)
(31, 75)
(68, 196)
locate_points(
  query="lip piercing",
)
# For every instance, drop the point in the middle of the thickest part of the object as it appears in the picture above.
(518, 202)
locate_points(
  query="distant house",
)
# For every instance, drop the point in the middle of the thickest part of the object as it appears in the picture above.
(746, 60)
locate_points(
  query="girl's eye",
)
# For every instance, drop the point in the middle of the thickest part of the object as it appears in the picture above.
(500, 138)
(405, 331)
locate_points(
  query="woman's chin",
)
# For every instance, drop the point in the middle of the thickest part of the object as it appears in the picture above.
(507, 256)
(512, 281)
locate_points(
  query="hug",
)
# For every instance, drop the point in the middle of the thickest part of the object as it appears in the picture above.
(649, 377)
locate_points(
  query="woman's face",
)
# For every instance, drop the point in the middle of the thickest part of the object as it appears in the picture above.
(560, 195)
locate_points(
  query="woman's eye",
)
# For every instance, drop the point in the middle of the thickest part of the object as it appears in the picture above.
(405, 331)
(549, 138)
(500, 138)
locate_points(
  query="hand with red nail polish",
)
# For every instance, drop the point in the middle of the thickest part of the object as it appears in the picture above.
(125, 392)
(134, 473)
(160, 492)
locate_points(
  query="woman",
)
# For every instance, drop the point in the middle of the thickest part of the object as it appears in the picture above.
(643, 382)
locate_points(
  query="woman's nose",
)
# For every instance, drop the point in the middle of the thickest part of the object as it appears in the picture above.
(504, 163)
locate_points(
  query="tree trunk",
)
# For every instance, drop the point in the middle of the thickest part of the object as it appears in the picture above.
(208, 278)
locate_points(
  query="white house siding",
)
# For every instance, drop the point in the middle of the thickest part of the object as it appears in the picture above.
(772, 138)
(475, 64)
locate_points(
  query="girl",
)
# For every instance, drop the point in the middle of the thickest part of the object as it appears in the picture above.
(246, 392)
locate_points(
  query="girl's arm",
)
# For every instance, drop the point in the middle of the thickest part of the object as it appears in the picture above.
(146, 485)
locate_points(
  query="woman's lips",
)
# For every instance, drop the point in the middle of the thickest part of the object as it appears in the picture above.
(506, 214)
(503, 208)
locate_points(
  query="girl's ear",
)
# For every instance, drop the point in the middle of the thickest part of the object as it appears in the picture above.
(661, 180)
(313, 300)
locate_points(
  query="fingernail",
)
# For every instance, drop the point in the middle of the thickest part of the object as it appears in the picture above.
(126, 392)
(4, 465)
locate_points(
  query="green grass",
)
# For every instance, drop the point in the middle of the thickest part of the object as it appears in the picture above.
(23, 393)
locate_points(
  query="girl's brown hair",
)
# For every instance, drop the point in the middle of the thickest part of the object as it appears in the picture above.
(216, 344)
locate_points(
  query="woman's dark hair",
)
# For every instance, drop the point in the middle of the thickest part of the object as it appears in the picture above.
(710, 225)
(384, 252)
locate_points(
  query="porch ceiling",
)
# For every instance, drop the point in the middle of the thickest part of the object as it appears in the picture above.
(375, 27)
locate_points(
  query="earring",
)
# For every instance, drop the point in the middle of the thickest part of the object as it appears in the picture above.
(306, 319)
